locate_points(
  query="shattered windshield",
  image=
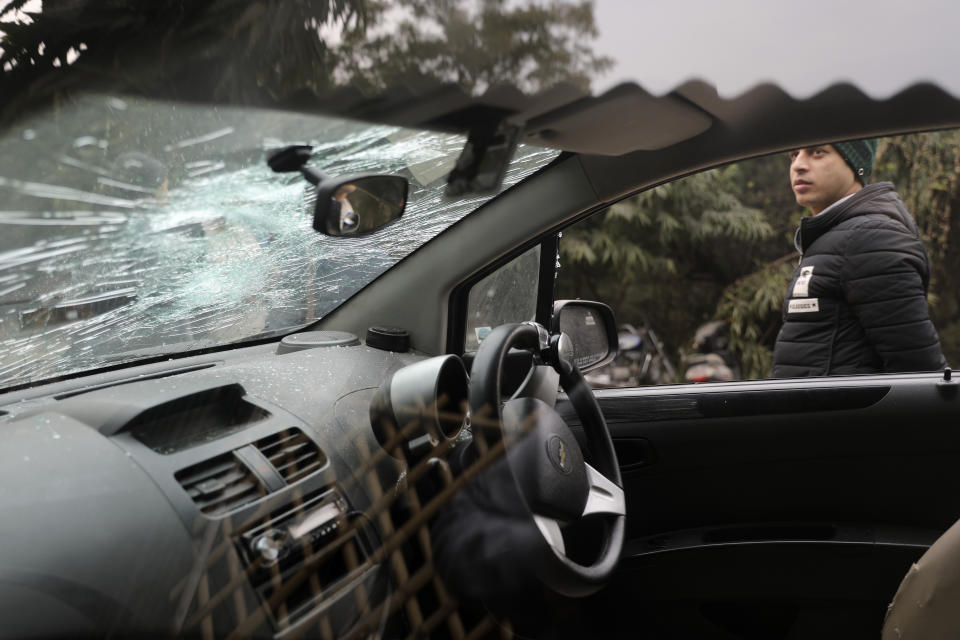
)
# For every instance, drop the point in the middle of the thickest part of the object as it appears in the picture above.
(132, 229)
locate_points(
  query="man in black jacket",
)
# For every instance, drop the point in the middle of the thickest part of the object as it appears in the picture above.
(857, 302)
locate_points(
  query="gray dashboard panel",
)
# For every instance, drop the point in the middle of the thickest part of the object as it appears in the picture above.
(106, 540)
(84, 520)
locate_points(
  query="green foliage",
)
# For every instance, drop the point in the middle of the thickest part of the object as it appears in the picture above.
(926, 167)
(295, 52)
(662, 257)
(477, 45)
(220, 50)
(648, 230)
(751, 306)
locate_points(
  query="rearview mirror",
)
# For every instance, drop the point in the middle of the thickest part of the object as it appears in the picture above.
(346, 205)
(358, 205)
(591, 328)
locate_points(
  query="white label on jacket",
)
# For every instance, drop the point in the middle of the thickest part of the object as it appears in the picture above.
(803, 305)
(802, 288)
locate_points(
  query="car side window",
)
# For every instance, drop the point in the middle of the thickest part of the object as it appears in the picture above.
(703, 275)
(508, 294)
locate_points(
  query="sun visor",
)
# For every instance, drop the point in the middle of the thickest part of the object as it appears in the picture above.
(623, 120)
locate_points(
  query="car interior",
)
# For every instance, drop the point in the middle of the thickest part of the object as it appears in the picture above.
(758, 509)
(368, 477)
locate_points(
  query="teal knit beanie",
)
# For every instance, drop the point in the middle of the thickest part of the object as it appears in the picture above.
(859, 154)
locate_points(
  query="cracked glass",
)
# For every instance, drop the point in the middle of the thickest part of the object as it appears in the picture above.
(132, 228)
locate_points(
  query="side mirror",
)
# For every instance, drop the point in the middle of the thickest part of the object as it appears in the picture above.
(591, 328)
(358, 205)
(346, 205)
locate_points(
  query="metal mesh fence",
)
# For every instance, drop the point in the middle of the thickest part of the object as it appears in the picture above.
(367, 574)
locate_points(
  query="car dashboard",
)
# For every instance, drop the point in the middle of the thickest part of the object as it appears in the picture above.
(235, 494)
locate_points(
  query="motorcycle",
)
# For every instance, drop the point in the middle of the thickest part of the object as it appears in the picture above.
(712, 360)
(641, 361)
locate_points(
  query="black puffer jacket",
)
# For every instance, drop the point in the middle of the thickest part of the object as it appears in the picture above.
(857, 302)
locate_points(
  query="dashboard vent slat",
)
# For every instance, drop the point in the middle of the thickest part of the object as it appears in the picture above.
(220, 485)
(212, 469)
(292, 454)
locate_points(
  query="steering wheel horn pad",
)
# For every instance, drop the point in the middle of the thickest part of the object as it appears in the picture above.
(546, 459)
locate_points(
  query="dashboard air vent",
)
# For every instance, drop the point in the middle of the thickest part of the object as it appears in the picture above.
(293, 455)
(220, 485)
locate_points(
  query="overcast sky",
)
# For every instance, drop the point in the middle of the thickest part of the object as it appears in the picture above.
(803, 46)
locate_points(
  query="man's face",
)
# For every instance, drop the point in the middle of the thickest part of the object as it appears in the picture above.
(820, 176)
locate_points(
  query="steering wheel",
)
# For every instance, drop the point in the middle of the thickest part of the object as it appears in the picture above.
(558, 485)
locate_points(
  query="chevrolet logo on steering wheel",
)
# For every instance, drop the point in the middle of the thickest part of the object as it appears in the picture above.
(557, 452)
